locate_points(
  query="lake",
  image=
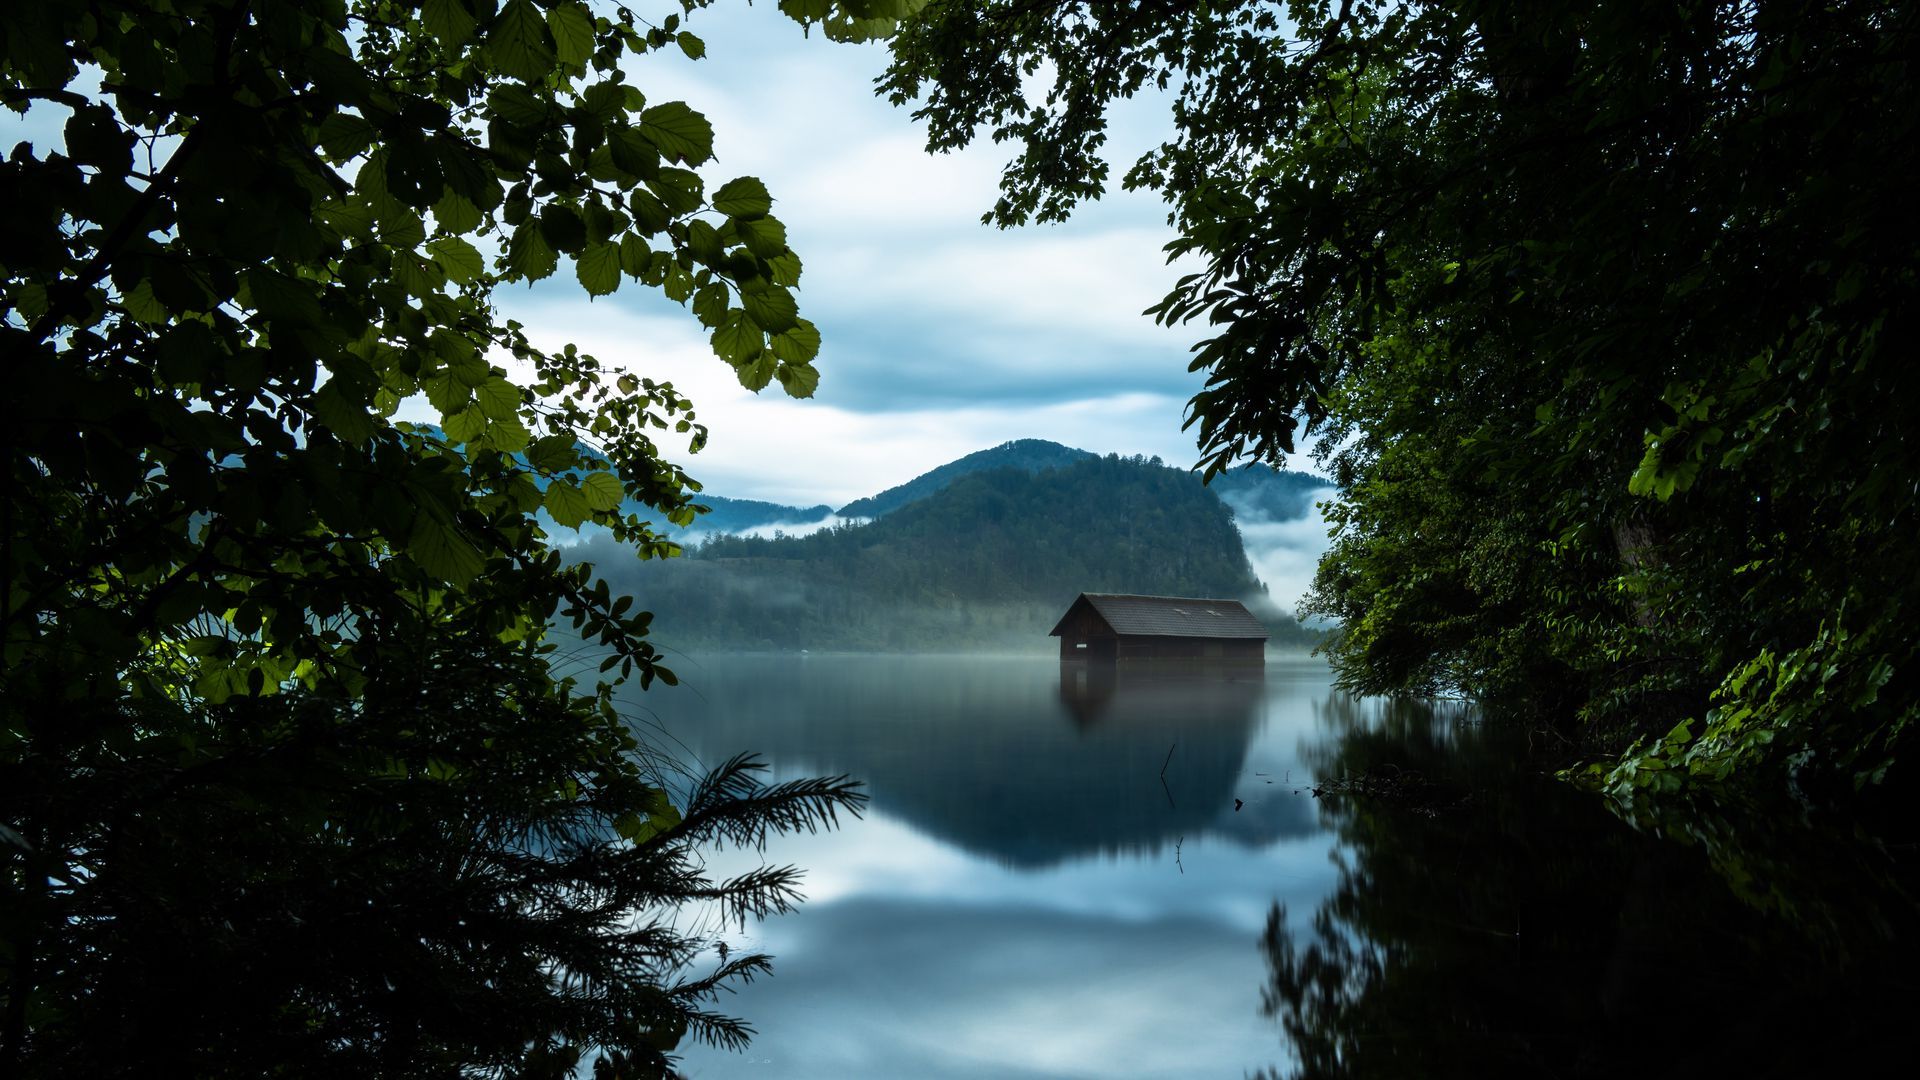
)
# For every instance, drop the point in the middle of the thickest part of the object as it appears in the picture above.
(1063, 874)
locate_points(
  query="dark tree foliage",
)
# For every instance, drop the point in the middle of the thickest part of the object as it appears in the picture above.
(992, 560)
(288, 782)
(457, 872)
(1603, 313)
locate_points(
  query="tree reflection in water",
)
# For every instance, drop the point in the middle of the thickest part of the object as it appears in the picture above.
(1492, 921)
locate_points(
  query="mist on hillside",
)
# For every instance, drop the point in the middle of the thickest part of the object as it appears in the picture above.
(1284, 552)
(771, 530)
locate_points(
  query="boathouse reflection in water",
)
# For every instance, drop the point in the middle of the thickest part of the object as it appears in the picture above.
(1006, 759)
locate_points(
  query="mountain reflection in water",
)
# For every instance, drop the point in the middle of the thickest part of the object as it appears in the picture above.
(1019, 761)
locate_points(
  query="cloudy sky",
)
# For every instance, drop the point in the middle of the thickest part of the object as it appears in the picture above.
(942, 335)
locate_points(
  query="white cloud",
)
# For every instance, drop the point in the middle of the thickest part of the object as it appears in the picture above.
(768, 446)
(1092, 284)
(1285, 553)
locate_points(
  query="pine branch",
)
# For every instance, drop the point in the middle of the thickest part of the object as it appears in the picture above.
(732, 806)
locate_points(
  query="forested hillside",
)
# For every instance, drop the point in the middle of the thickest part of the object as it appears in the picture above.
(991, 560)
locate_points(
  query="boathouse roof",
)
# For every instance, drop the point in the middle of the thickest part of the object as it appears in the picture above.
(1169, 616)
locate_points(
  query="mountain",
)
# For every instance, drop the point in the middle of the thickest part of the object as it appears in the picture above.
(992, 558)
(1027, 455)
(1255, 493)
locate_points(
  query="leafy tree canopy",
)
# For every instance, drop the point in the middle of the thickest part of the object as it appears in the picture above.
(272, 659)
(1601, 312)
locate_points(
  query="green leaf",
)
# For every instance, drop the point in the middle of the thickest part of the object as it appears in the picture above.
(519, 43)
(345, 417)
(798, 380)
(465, 425)
(563, 228)
(418, 276)
(681, 190)
(765, 237)
(448, 20)
(30, 299)
(142, 306)
(446, 393)
(566, 503)
(744, 197)
(678, 131)
(460, 260)
(649, 213)
(345, 136)
(572, 27)
(634, 155)
(1647, 475)
(797, 344)
(283, 299)
(692, 46)
(737, 339)
(463, 360)
(553, 453)
(771, 307)
(806, 10)
(456, 213)
(94, 137)
(703, 241)
(678, 285)
(757, 373)
(440, 550)
(658, 264)
(507, 435)
(465, 170)
(605, 100)
(602, 491)
(634, 255)
(517, 105)
(784, 269)
(710, 304)
(528, 256)
(598, 269)
(498, 398)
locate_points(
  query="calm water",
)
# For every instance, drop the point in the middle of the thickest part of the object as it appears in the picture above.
(1133, 878)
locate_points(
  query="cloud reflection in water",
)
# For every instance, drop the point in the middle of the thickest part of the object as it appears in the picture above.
(1012, 906)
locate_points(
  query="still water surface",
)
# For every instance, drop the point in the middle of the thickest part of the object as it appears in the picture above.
(1060, 877)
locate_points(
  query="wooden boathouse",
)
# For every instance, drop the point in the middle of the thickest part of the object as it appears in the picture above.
(1116, 628)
